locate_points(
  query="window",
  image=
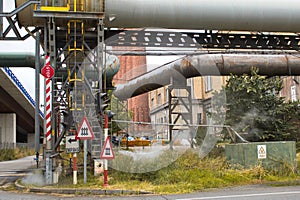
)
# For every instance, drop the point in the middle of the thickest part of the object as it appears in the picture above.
(208, 83)
(293, 93)
(199, 118)
(159, 99)
(152, 102)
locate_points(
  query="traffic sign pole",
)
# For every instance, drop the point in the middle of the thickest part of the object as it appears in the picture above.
(75, 168)
(105, 160)
(47, 126)
(84, 160)
(85, 133)
(107, 151)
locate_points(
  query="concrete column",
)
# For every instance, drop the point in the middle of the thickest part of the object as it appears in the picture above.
(1, 19)
(8, 128)
(31, 140)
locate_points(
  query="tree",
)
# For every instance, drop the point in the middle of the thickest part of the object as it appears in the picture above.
(254, 108)
(121, 114)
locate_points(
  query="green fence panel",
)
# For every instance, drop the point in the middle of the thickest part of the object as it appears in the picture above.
(271, 155)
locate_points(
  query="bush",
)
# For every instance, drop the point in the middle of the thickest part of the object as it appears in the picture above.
(7, 154)
(15, 153)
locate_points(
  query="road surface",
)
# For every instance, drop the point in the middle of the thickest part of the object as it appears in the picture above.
(11, 170)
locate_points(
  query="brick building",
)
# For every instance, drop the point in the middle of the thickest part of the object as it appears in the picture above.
(291, 88)
(131, 67)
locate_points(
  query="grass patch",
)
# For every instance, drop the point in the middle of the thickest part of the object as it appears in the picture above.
(188, 173)
(16, 153)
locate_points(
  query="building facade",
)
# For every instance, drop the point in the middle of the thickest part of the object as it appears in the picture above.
(201, 88)
(291, 88)
(131, 67)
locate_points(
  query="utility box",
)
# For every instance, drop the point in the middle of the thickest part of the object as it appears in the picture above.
(98, 167)
(270, 155)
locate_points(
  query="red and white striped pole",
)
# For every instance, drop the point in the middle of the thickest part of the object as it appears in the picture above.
(105, 173)
(75, 168)
(48, 104)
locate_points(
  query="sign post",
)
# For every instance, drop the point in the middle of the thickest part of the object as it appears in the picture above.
(107, 152)
(85, 133)
(75, 169)
(72, 146)
(48, 72)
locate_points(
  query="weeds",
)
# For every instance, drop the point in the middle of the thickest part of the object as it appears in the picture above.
(12, 154)
(187, 174)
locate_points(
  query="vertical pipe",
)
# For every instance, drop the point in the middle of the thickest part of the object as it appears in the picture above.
(1, 19)
(37, 97)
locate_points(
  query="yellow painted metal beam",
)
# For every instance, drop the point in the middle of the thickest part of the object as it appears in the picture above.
(55, 8)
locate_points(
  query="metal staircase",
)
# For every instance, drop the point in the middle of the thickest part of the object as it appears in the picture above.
(180, 107)
(82, 94)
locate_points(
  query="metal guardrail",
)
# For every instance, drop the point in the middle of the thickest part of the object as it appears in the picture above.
(21, 87)
(19, 9)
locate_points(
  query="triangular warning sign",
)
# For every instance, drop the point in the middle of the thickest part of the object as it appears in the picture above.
(107, 151)
(85, 131)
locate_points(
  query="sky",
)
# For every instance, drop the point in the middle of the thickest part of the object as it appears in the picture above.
(24, 74)
(27, 75)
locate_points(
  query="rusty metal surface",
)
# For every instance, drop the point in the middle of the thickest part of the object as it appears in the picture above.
(210, 64)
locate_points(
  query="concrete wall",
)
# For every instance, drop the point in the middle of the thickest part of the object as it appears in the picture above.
(31, 139)
(8, 128)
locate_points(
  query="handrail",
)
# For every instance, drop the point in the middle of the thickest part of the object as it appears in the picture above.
(23, 6)
(21, 87)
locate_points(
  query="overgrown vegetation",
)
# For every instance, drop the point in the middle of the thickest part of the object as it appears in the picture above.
(187, 174)
(15, 153)
(254, 108)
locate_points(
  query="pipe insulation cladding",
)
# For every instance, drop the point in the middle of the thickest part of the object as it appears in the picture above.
(209, 64)
(239, 15)
(243, 15)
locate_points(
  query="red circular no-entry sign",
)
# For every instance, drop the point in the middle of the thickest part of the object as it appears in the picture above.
(47, 71)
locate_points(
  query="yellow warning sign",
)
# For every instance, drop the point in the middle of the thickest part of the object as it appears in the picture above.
(261, 151)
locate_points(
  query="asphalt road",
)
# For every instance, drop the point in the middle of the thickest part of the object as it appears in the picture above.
(12, 170)
(254, 192)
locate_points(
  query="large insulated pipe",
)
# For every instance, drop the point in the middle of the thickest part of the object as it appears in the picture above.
(209, 64)
(27, 59)
(251, 15)
(248, 15)
(17, 59)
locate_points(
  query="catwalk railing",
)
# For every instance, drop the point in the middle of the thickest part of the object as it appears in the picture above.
(12, 76)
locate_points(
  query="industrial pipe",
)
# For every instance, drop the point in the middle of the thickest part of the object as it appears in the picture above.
(244, 15)
(27, 59)
(209, 64)
(112, 66)
(17, 59)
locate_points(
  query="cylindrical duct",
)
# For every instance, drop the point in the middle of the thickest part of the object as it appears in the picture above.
(209, 64)
(245, 15)
(18, 59)
(27, 59)
(112, 67)
(251, 15)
